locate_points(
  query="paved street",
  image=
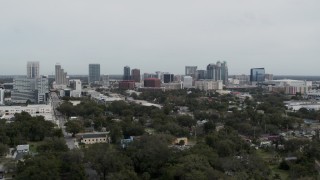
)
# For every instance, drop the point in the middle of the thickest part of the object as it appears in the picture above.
(55, 102)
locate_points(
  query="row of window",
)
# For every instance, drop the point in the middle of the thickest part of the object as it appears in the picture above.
(94, 140)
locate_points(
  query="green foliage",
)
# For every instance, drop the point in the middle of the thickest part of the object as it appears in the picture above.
(186, 121)
(74, 127)
(4, 149)
(25, 128)
(52, 145)
(108, 161)
(150, 154)
(38, 168)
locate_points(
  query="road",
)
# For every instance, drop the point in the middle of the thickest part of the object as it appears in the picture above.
(55, 102)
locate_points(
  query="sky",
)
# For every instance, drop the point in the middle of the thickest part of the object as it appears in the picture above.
(283, 36)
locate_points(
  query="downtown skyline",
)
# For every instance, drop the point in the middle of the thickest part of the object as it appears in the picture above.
(281, 36)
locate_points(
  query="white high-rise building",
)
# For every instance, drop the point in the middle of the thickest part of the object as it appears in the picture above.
(1, 96)
(33, 69)
(76, 87)
(35, 90)
(187, 82)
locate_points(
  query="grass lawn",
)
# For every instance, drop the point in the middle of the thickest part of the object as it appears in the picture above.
(267, 156)
(33, 146)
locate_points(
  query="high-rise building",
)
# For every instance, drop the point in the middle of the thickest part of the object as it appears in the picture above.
(191, 71)
(211, 71)
(1, 96)
(33, 69)
(168, 78)
(201, 74)
(94, 73)
(135, 75)
(218, 71)
(75, 87)
(126, 73)
(152, 83)
(257, 75)
(187, 82)
(35, 90)
(60, 75)
(224, 73)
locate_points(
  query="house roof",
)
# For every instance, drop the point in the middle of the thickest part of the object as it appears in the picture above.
(93, 135)
(23, 147)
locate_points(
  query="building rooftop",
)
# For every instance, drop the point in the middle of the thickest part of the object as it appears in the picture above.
(93, 135)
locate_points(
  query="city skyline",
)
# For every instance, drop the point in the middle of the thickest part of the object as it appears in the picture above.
(153, 36)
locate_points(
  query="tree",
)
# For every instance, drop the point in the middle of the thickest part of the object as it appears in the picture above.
(74, 127)
(106, 160)
(209, 127)
(150, 154)
(53, 145)
(38, 168)
(186, 121)
(4, 149)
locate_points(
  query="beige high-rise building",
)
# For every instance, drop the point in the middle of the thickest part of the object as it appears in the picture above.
(60, 76)
(33, 69)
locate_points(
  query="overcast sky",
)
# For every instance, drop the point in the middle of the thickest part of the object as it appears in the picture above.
(281, 35)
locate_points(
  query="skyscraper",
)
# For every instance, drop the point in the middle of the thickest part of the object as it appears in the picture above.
(135, 75)
(1, 96)
(257, 75)
(211, 71)
(60, 75)
(191, 71)
(224, 73)
(218, 71)
(33, 69)
(201, 74)
(94, 73)
(126, 73)
(168, 78)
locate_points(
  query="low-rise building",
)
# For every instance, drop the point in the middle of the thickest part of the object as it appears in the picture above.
(93, 138)
(288, 86)
(7, 112)
(208, 85)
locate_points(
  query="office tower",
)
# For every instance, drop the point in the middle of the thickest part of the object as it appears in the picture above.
(33, 90)
(187, 82)
(201, 74)
(94, 73)
(218, 71)
(211, 72)
(224, 73)
(135, 74)
(33, 69)
(60, 75)
(257, 75)
(168, 78)
(42, 89)
(75, 87)
(126, 73)
(191, 71)
(1, 96)
(152, 83)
